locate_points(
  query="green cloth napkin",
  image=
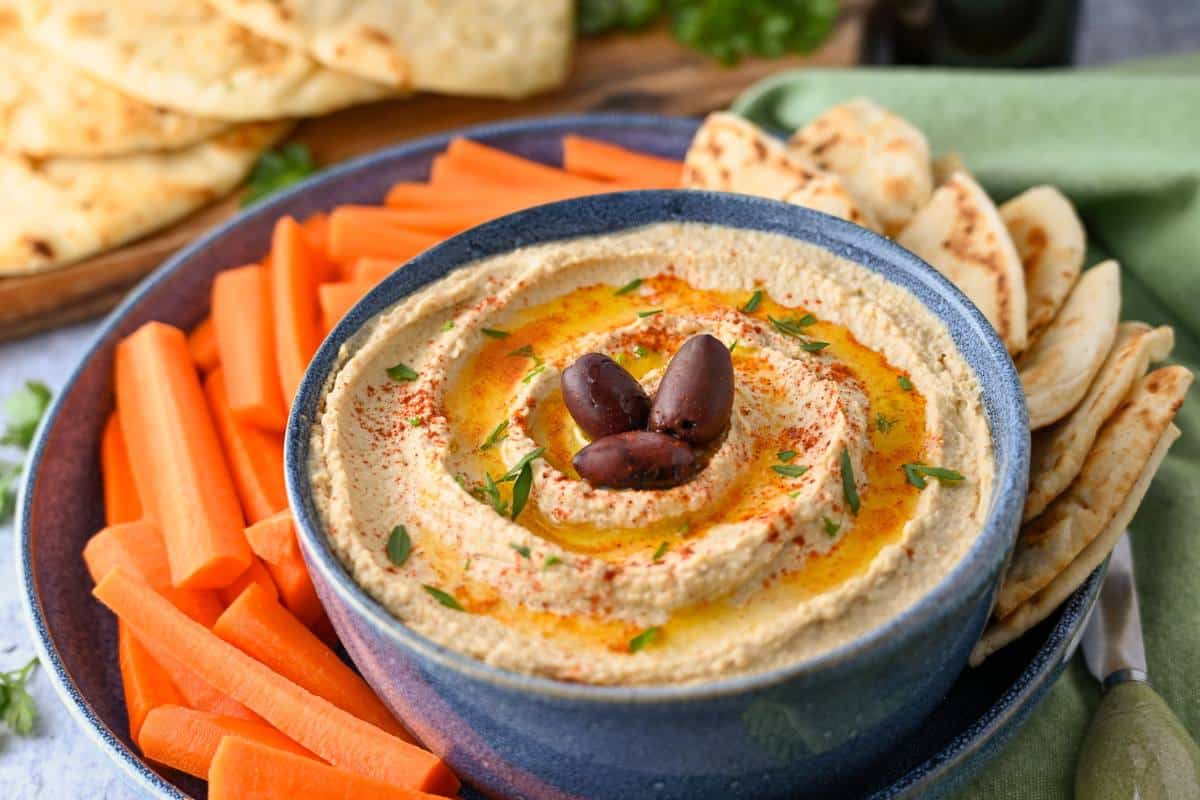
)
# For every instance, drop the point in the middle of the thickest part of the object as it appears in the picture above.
(1124, 144)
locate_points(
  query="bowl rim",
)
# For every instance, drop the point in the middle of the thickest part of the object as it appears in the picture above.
(528, 227)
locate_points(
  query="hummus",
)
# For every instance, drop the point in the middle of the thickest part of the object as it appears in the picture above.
(803, 531)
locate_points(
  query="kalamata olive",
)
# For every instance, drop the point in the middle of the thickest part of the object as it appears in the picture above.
(636, 460)
(695, 396)
(602, 397)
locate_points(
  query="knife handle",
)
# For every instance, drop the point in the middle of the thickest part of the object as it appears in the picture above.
(1137, 749)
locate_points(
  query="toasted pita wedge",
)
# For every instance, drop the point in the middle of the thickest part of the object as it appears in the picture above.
(961, 234)
(1050, 241)
(1125, 445)
(1057, 371)
(1059, 451)
(946, 165)
(1052, 595)
(883, 160)
(729, 154)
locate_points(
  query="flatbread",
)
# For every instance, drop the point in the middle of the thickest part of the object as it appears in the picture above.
(1069, 524)
(59, 210)
(183, 55)
(1052, 595)
(502, 48)
(50, 108)
(961, 234)
(1059, 451)
(1050, 241)
(729, 154)
(1058, 369)
(882, 159)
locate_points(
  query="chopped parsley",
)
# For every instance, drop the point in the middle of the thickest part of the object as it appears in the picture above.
(790, 470)
(733, 345)
(498, 435)
(402, 372)
(551, 561)
(416, 422)
(785, 455)
(515, 471)
(521, 489)
(522, 550)
(814, 347)
(644, 638)
(495, 333)
(884, 424)
(917, 473)
(448, 325)
(399, 545)
(794, 494)
(491, 493)
(662, 550)
(905, 383)
(533, 373)
(848, 487)
(629, 287)
(831, 526)
(650, 313)
(752, 304)
(444, 598)
(640, 352)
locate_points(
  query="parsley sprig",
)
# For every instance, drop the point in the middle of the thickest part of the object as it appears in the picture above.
(17, 708)
(24, 409)
(278, 169)
(797, 329)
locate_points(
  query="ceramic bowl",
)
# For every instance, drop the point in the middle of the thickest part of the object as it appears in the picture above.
(799, 730)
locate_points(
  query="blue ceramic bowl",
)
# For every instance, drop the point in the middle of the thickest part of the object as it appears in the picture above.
(798, 730)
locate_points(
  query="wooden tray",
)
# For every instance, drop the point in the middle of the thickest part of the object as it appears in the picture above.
(647, 72)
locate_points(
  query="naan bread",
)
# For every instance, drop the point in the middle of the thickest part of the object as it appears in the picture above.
(882, 159)
(1050, 241)
(1059, 451)
(1057, 371)
(183, 55)
(1126, 443)
(1051, 596)
(50, 108)
(729, 154)
(961, 234)
(59, 210)
(503, 48)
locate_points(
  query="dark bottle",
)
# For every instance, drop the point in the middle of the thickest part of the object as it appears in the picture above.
(972, 33)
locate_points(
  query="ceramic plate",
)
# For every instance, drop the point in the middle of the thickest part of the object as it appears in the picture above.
(61, 505)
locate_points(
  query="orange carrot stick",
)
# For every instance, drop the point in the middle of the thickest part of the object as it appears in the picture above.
(336, 299)
(599, 160)
(245, 328)
(312, 722)
(138, 548)
(372, 270)
(294, 278)
(121, 502)
(202, 343)
(492, 165)
(255, 456)
(194, 691)
(175, 453)
(274, 541)
(353, 235)
(187, 739)
(274, 538)
(407, 195)
(259, 626)
(248, 770)
(146, 684)
(256, 575)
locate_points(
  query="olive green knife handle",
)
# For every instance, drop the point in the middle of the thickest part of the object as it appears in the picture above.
(1136, 749)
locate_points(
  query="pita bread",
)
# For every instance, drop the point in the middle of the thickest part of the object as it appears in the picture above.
(50, 108)
(1050, 241)
(1059, 451)
(1057, 371)
(1051, 596)
(183, 55)
(503, 48)
(1125, 444)
(60, 210)
(729, 154)
(882, 159)
(960, 233)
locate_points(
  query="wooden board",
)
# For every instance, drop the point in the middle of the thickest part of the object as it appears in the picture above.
(647, 72)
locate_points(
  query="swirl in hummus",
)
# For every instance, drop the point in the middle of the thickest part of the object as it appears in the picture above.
(773, 553)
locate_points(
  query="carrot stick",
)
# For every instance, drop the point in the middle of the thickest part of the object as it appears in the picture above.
(599, 160)
(202, 344)
(248, 770)
(441, 221)
(187, 739)
(312, 722)
(138, 548)
(255, 456)
(194, 691)
(274, 538)
(274, 541)
(175, 454)
(256, 575)
(121, 502)
(372, 270)
(294, 278)
(408, 195)
(259, 626)
(353, 235)
(146, 684)
(245, 329)
(496, 166)
(336, 299)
